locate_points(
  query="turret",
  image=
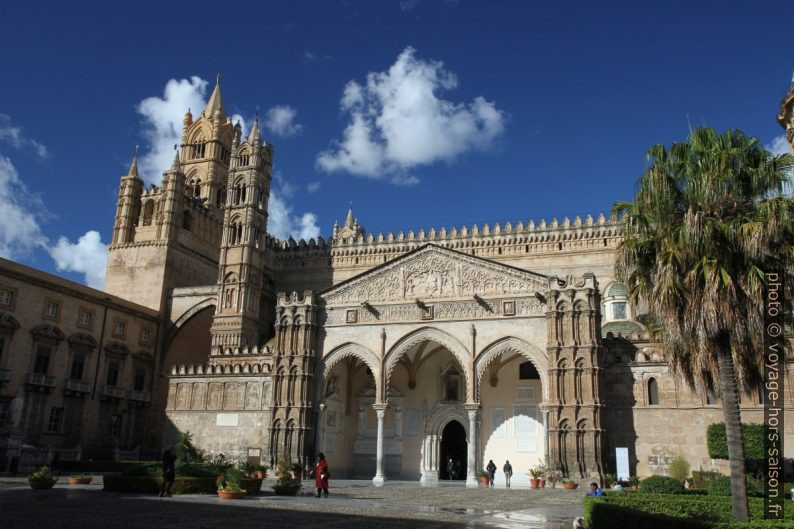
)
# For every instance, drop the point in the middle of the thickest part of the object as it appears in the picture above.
(128, 208)
(173, 201)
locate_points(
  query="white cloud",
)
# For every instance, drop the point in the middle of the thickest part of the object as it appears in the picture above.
(13, 135)
(282, 222)
(313, 187)
(779, 145)
(20, 215)
(399, 122)
(163, 123)
(87, 256)
(280, 120)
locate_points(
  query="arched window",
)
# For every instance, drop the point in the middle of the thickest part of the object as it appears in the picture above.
(653, 392)
(194, 188)
(527, 371)
(148, 212)
(220, 199)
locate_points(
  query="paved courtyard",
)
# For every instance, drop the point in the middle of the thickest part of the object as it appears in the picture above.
(354, 504)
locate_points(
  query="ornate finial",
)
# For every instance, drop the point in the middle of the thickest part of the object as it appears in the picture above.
(134, 165)
(218, 78)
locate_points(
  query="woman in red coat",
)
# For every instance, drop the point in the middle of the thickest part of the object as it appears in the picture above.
(321, 476)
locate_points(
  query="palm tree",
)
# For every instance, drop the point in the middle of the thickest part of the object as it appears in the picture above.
(708, 218)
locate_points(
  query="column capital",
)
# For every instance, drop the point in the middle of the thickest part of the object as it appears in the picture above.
(379, 407)
(472, 406)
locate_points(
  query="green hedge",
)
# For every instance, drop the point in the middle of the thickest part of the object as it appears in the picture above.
(717, 441)
(182, 485)
(100, 465)
(722, 487)
(661, 485)
(664, 511)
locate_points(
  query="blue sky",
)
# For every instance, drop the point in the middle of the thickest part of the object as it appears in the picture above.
(540, 109)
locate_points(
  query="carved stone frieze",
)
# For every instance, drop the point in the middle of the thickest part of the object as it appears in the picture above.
(432, 272)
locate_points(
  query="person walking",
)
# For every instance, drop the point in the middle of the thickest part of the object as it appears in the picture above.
(508, 470)
(491, 468)
(321, 476)
(169, 471)
(451, 473)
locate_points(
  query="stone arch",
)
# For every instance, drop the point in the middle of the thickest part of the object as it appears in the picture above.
(452, 344)
(336, 355)
(443, 415)
(185, 317)
(515, 345)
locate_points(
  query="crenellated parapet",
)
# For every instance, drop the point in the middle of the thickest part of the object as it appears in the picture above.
(497, 240)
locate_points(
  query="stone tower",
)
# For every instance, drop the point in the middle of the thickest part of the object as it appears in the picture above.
(244, 289)
(169, 236)
(574, 409)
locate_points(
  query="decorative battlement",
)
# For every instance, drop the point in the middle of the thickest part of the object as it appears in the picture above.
(187, 370)
(538, 232)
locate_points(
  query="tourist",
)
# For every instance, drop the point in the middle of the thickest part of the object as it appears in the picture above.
(491, 468)
(451, 470)
(321, 476)
(169, 471)
(508, 470)
(594, 490)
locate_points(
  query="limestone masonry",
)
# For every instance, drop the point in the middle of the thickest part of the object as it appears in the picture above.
(410, 355)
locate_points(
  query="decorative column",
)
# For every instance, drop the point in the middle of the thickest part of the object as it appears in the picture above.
(380, 411)
(471, 460)
(546, 436)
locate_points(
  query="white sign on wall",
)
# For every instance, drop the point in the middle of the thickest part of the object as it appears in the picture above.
(498, 422)
(525, 393)
(227, 419)
(525, 418)
(622, 459)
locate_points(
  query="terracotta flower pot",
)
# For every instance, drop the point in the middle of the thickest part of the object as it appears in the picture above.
(260, 474)
(230, 495)
(570, 486)
(80, 481)
(484, 481)
(542, 483)
(41, 485)
(534, 483)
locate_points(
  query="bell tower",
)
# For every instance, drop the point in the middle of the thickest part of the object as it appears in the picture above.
(244, 290)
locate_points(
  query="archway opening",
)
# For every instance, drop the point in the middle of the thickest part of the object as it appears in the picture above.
(453, 452)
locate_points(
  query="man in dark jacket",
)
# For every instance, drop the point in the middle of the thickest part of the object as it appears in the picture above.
(491, 468)
(169, 471)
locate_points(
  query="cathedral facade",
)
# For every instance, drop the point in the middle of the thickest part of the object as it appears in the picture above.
(410, 355)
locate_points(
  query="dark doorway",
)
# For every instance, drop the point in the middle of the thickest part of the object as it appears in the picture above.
(453, 446)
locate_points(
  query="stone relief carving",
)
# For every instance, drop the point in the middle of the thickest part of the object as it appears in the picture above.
(183, 397)
(253, 396)
(199, 396)
(436, 273)
(215, 393)
(445, 310)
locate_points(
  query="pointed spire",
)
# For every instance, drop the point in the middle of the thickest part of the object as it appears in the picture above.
(254, 136)
(134, 165)
(216, 102)
(350, 221)
(175, 165)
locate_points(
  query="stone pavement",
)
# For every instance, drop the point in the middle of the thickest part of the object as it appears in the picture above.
(355, 504)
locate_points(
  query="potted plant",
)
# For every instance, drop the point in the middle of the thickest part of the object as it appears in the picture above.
(286, 484)
(554, 477)
(569, 484)
(247, 468)
(609, 480)
(536, 472)
(485, 479)
(80, 479)
(261, 471)
(296, 470)
(42, 479)
(230, 486)
(634, 482)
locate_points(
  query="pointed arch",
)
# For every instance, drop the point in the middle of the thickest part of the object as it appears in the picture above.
(513, 345)
(452, 344)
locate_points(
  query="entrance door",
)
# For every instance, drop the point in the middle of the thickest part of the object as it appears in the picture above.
(454, 447)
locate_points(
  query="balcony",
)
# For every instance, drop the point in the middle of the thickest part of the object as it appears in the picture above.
(77, 387)
(5, 375)
(141, 397)
(40, 381)
(112, 392)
